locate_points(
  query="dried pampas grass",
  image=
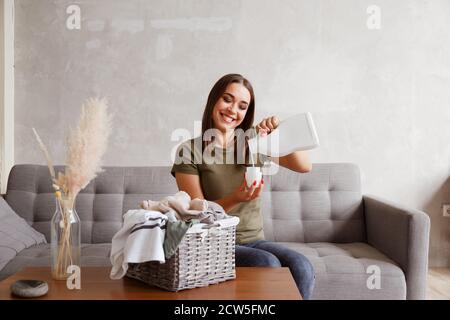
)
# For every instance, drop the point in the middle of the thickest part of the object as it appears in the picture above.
(46, 154)
(86, 145)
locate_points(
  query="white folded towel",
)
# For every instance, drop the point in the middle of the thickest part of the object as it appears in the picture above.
(140, 239)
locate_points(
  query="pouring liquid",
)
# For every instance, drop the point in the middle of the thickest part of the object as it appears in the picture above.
(252, 173)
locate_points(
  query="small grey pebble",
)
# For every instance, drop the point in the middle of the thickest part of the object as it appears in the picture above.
(29, 288)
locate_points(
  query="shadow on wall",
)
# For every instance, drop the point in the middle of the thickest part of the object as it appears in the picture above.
(440, 227)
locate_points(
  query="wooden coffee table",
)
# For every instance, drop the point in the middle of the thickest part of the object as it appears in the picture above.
(250, 284)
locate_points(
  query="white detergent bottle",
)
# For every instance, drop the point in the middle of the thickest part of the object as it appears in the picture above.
(292, 134)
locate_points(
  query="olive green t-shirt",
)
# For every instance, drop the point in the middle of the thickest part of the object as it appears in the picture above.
(221, 178)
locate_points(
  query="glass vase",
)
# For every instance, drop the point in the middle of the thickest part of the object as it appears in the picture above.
(65, 238)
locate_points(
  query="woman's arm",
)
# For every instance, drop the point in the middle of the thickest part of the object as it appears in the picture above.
(296, 161)
(190, 183)
(228, 202)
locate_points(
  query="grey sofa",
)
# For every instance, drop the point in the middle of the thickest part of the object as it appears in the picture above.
(321, 214)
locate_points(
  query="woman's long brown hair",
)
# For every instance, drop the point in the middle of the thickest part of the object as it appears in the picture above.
(215, 94)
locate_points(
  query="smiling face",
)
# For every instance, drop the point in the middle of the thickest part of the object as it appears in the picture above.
(231, 108)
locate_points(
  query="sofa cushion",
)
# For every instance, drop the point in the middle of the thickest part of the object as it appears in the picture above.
(15, 234)
(323, 205)
(92, 255)
(342, 271)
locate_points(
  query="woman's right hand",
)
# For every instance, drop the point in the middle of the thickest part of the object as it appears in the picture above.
(244, 194)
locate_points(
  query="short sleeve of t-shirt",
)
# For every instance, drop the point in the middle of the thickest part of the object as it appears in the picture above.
(185, 159)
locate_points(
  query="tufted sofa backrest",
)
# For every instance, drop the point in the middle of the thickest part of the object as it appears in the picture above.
(100, 205)
(322, 205)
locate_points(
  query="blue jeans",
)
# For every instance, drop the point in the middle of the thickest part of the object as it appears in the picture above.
(263, 253)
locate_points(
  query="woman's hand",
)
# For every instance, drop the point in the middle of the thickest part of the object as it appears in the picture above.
(244, 194)
(267, 125)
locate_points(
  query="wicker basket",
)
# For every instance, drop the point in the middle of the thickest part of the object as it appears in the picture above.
(204, 257)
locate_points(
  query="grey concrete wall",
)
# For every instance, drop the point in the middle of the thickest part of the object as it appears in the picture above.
(380, 98)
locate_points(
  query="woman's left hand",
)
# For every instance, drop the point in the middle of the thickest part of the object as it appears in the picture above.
(267, 125)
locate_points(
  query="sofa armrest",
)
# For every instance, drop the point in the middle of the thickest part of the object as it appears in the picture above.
(403, 235)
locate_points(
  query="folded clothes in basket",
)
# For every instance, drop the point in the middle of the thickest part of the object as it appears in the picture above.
(180, 206)
(154, 233)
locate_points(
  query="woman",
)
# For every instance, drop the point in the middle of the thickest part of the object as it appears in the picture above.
(229, 109)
